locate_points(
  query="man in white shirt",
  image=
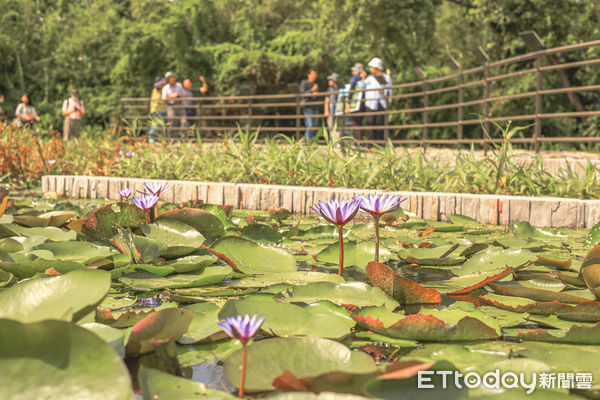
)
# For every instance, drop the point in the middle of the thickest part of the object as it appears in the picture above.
(172, 93)
(73, 110)
(377, 99)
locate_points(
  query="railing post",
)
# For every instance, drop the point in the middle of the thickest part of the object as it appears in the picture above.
(486, 106)
(342, 118)
(425, 114)
(538, 105)
(461, 99)
(249, 123)
(297, 117)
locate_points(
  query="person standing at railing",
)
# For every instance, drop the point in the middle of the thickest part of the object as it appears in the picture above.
(172, 92)
(308, 86)
(357, 101)
(190, 110)
(25, 113)
(331, 101)
(158, 110)
(2, 112)
(377, 92)
(73, 110)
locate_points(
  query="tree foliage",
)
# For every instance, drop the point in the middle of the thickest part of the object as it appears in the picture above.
(114, 48)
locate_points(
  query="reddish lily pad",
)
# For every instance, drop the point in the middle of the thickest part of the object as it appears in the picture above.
(427, 327)
(157, 328)
(402, 289)
(485, 281)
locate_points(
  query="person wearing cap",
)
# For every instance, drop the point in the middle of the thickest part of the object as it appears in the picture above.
(331, 100)
(309, 86)
(377, 91)
(158, 110)
(171, 93)
(73, 110)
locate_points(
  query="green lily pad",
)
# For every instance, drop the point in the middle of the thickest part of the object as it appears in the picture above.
(59, 360)
(303, 357)
(492, 259)
(180, 238)
(68, 297)
(156, 385)
(113, 336)
(75, 250)
(27, 269)
(524, 228)
(284, 319)
(355, 253)
(356, 293)
(203, 221)
(252, 258)
(143, 280)
(204, 326)
(261, 233)
(101, 225)
(49, 232)
(292, 278)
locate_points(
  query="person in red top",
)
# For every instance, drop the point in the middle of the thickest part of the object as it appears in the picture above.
(72, 110)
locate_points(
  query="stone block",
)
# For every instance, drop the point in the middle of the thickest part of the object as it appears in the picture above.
(215, 193)
(250, 197)
(269, 197)
(519, 209)
(592, 213)
(470, 205)
(488, 210)
(568, 213)
(540, 214)
(231, 195)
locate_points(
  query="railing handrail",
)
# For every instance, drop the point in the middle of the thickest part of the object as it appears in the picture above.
(479, 76)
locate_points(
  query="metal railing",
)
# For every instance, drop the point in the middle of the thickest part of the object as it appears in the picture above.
(282, 113)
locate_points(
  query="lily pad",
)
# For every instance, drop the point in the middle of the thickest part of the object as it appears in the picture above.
(252, 258)
(180, 238)
(157, 328)
(59, 360)
(68, 297)
(496, 259)
(355, 253)
(158, 385)
(303, 357)
(101, 225)
(143, 280)
(203, 221)
(204, 326)
(355, 293)
(400, 288)
(290, 320)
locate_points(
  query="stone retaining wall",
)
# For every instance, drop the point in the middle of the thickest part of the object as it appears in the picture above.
(489, 209)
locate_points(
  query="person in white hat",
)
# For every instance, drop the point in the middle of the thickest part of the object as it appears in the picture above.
(378, 90)
(172, 92)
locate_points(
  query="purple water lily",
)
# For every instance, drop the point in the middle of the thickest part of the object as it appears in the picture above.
(156, 188)
(338, 213)
(243, 329)
(377, 206)
(125, 193)
(145, 201)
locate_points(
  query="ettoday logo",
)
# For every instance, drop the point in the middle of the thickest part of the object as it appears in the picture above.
(508, 380)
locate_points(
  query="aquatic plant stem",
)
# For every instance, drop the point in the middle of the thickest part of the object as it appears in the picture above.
(376, 218)
(243, 378)
(341, 236)
(147, 217)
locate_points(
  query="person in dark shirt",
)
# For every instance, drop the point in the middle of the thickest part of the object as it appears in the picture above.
(308, 86)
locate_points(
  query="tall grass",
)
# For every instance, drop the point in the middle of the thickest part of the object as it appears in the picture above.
(241, 157)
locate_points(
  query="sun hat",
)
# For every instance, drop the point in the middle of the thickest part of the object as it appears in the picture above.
(376, 63)
(170, 74)
(334, 77)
